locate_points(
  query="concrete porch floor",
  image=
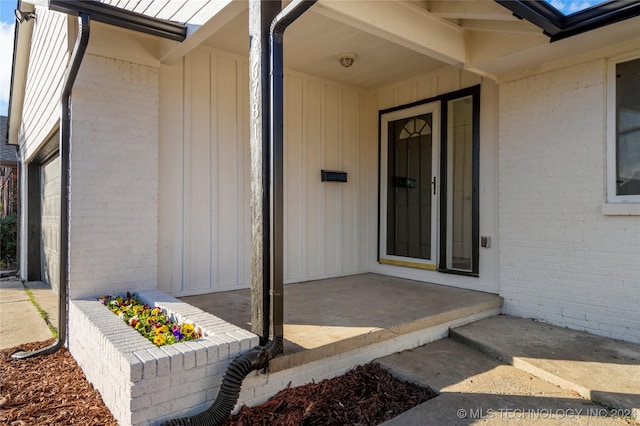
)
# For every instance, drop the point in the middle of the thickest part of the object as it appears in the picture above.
(328, 317)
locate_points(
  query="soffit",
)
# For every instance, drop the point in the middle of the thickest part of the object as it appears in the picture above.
(313, 43)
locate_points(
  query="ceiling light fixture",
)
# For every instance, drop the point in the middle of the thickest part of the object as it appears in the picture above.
(347, 59)
(22, 16)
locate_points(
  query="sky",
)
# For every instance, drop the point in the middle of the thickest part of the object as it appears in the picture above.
(571, 6)
(7, 19)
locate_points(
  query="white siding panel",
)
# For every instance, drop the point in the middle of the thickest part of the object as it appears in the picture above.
(199, 169)
(315, 206)
(368, 178)
(226, 217)
(294, 197)
(332, 218)
(323, 232)
(215, 149)
(47, 62)
(349, 195)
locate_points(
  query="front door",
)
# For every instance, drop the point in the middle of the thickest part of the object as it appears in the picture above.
(409, 186)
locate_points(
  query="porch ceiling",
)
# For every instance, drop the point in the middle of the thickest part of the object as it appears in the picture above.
(479, 35)
(313, 43)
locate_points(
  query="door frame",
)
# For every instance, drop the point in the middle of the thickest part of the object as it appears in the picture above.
(442, 232)
(398, 114)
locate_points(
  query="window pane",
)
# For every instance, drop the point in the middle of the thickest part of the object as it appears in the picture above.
(460, 185)
(628, 128)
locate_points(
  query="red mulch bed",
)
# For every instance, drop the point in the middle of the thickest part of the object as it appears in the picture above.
(48, 390)
(52, 390)
(366, 395)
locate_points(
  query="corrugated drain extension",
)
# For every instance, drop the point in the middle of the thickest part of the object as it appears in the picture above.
(255, 359)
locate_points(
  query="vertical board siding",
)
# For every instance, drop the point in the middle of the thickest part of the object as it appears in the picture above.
(47, 62)
(349, 149)
(332, 217)
(225, 212)
(294, 198)
(315, 236)
(205, 222)
(199, 167)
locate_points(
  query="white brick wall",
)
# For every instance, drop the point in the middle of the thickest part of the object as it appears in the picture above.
(114, 178)
(561, 259)
(143, 384)
(146, 385)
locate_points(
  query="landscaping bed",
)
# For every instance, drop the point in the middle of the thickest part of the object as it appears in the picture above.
(52, 390)
(48, 390)
(366, 395)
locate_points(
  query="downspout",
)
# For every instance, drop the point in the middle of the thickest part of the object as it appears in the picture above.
(276, 75)
(65, 148)
(258, 358)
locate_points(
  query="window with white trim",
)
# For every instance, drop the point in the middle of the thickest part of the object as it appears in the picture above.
(623, 164)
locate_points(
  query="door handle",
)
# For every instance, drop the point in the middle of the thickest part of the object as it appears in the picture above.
(433, 182)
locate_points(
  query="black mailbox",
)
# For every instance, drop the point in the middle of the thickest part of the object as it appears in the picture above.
(333, 176)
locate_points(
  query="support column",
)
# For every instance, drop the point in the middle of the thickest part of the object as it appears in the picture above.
(261, 14)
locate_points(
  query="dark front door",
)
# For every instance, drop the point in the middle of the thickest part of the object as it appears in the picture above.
(410, 146)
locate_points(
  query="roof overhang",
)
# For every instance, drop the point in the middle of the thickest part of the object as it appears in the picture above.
(107, 14)
(99, 12)
(559, 26)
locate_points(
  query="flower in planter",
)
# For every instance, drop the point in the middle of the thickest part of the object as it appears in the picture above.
(160, 339)
(177, 332)
(152, 323)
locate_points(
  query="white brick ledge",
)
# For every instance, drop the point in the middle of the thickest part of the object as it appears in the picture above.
(141, 383)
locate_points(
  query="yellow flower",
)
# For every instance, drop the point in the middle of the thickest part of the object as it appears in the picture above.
(155, 311)
(160, 339)
(163, 329)
(187, 328)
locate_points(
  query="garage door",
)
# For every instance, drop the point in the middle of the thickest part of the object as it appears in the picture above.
(50, 214)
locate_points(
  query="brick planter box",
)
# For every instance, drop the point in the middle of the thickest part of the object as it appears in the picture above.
(141, 383)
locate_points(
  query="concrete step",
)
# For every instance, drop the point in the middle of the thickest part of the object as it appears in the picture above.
(599, 369)
(475, 388)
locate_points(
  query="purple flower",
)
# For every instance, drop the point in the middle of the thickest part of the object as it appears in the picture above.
(176, 332)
